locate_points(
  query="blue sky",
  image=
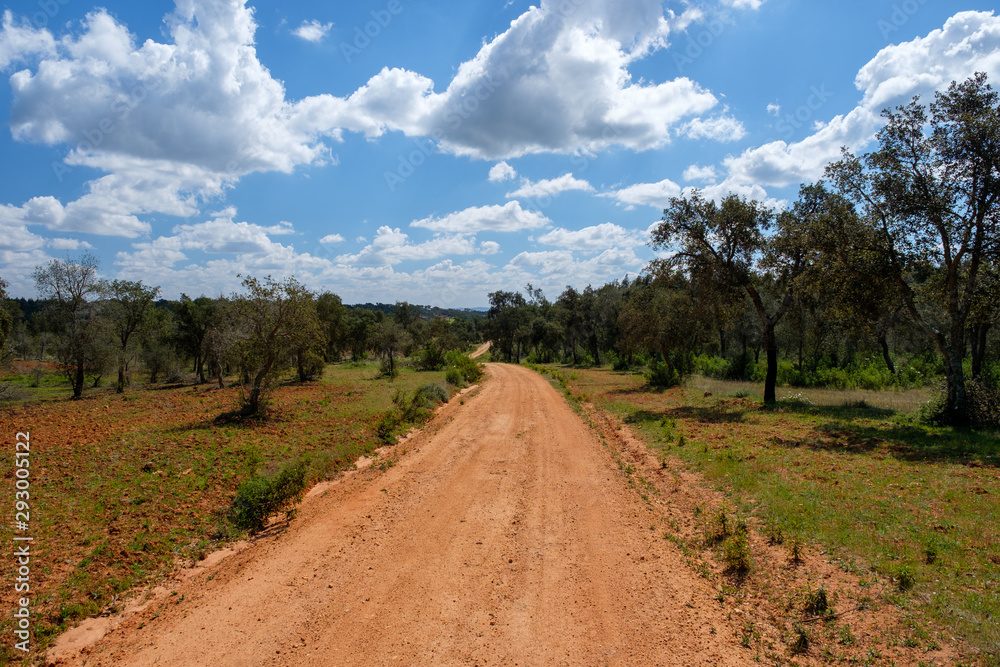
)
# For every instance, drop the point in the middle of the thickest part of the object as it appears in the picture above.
(431, 152)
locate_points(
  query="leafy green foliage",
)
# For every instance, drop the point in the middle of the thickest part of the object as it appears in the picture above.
(263, 495)
(272, 319)
(431, 358)
(410, 409)
(462, 369)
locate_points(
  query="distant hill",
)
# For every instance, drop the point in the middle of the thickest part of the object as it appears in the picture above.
(423, 311)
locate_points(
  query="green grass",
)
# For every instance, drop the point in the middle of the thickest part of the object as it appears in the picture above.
(852, 473)
(125, 486)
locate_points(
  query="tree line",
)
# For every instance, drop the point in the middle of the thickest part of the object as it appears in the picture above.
(95, 327)
(898, 248)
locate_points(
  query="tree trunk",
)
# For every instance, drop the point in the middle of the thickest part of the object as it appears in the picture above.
(977, 335)
(594, 350)
(78, 380)
(120, 385)
(771, 378)
(884, 344)
(957, 397)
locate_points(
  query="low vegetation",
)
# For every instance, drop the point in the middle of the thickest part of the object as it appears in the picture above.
(859, 476)
(127, 486)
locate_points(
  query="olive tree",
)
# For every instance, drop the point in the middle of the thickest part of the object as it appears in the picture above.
(71, 286)
(930, 195)
(735, 249)
(273, 318)
(127, 310)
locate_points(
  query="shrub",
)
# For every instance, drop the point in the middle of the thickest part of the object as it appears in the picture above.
(619, 362)
(409, 409)
(671, 371)
(710, 366)
(312, 366)
(453, 376)
(388, 426)
(736, 553)
(261, 496)
(800, 642)
(387, 369)
(741, 367)
(817, 602)
(905, 578)
(662, 374)
(431, 358)
(470, 370)
(984, 403)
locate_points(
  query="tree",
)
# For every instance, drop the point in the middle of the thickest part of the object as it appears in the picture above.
(70, 285)
(507, 314)
(127, 311)
(726, 246)
(157, 338)
(930, 196)
(389, 336)
(333, 317)
(6, 320)
(360, 325)
(194, 318)
(274, 318)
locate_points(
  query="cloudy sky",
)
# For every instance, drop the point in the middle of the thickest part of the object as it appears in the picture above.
(431, 151)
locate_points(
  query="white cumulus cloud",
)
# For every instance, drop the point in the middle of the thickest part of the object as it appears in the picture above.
(507, 218)
(646, 194)
(597, 237)
(502, 171)
(312, 31)
(550, 187)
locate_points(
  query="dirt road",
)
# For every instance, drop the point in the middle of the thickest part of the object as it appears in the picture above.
(505, 535)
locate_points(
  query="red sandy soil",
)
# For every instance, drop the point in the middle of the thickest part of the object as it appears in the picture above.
(503, 534)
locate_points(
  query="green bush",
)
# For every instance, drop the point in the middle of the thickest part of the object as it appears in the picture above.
(661, 374)
(431, 358)
(261, 496)
(454, 377)
(736, 554)
(712, 366)
(672, 370)
(410, 409)
(387, 370)
(470, 370)
(742, 367)
(313, 365)
(984, 403)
